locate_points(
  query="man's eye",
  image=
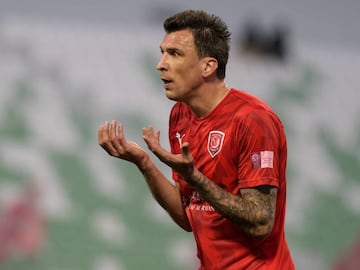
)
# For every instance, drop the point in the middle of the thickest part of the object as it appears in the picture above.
(174, 53)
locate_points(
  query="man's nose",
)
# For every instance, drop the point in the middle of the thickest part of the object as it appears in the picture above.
(162, 64)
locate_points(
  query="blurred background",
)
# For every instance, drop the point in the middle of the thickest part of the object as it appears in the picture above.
(68, 66)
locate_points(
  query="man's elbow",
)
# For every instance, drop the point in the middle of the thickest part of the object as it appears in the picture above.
(185, 227)
(183, 224)
(261, 231)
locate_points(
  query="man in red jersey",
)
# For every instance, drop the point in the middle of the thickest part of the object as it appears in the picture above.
(228, 153)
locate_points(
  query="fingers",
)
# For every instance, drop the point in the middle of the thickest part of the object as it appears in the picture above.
(149, 137)
(185, 149)
(148, 132)
(120, 134)
(107, 137)
(157, 135)
(102, 134)
(112, 131)
(153, 142)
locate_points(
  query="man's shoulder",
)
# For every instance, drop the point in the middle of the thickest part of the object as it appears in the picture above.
(246, 105)
(243, 102)
(247, 98)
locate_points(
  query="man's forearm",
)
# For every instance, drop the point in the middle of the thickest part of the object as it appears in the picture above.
(164, 192)
(254, 213)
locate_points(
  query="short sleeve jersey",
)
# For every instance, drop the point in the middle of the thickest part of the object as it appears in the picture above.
(240, 144)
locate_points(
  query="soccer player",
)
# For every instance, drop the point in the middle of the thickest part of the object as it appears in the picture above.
(228, 153)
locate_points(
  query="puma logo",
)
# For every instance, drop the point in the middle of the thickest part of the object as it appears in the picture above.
(179, 137)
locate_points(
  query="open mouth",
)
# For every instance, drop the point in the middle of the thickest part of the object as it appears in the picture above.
(166, 81)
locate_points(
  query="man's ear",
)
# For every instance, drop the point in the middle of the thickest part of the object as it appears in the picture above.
(210, 66)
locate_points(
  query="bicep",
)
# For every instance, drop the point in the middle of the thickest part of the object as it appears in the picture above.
(258, 150)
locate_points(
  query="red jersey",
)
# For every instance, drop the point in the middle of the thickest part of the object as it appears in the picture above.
(240, 144)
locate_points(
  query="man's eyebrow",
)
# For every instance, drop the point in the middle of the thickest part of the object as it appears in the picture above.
(172, 50)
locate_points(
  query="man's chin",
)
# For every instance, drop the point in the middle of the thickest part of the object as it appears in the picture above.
(170, 96)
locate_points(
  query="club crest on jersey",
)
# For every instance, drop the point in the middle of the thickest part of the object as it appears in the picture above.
(215, 142)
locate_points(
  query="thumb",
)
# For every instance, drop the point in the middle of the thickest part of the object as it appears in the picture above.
(185, 149)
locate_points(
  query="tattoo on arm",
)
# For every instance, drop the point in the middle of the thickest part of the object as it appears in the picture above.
(253, 209)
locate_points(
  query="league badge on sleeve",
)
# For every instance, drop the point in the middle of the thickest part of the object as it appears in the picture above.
(215, 142)
(262, 159)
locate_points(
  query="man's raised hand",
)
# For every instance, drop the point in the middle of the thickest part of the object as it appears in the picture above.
(182, 163)
(112, 139)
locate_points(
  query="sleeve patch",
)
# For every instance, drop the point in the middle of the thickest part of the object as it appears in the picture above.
(262, 159)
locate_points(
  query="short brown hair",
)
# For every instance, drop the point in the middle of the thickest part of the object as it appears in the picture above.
(211, 35)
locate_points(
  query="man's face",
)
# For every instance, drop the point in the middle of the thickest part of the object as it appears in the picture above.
(180, 67)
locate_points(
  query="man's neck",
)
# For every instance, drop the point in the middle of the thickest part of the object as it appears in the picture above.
(207, 99)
